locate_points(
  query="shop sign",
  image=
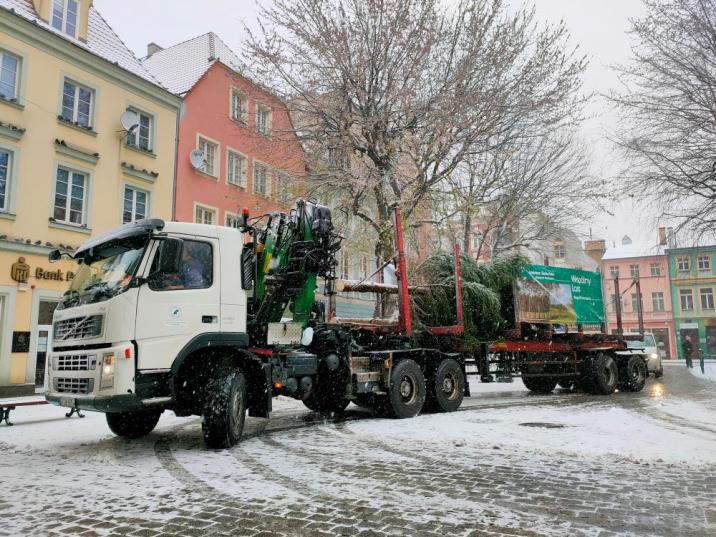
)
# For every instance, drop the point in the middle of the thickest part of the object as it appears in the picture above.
(20, 272)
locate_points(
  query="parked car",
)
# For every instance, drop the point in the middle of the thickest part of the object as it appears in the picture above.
(648, 346)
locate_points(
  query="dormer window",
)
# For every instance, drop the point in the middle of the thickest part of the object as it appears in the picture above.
(64, 16)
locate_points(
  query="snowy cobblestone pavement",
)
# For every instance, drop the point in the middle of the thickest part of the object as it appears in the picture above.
(509, 463)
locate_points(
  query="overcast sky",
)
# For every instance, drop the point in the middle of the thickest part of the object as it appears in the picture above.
(598, 26)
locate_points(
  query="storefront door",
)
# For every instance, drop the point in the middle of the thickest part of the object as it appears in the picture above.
(44, 333)
(662, 341)
(711, 341)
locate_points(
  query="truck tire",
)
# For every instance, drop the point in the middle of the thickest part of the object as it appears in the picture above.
(566, 384)
(632, 374)
(133, 424)
(406, 395)
(603, 375)
(224, 409)
(539, 384)
(446, 389)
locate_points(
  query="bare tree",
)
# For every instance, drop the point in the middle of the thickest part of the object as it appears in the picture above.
(668, 109)
(405, 90)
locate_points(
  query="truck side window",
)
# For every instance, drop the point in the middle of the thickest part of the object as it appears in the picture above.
(196, 269)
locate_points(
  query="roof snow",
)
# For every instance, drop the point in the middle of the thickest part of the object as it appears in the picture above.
(633, 249)
(101, 41)
(179, 67)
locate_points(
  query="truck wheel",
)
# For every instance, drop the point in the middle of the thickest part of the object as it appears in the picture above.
(133, 424)
(224, 409)
(326, 401)
(603, 375)
(447, 387)
(539, 384)
(406, 395)
(632, 375)
(566, 384)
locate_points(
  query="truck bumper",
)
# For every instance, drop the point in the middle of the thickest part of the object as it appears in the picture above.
(99, 403)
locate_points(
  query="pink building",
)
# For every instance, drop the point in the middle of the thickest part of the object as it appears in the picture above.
(648, 265)
(251, 155)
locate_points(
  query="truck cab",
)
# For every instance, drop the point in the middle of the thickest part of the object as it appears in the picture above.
(148, 300)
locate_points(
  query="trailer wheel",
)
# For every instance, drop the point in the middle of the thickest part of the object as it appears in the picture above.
(133, 424)
(632, 374)
(406, 395)
(224, 409)
(446, 389)
(603, 375)
(539, 384)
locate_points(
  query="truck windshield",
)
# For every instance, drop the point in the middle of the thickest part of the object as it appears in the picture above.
(104, 272)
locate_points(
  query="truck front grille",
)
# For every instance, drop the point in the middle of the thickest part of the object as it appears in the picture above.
(69, 385)
(78, 328)
(75, 362)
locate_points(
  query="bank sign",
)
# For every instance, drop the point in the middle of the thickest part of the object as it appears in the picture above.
(559, 296)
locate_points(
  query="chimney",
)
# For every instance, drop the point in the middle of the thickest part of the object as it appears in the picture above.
(662, 236)
(595, 249)
(153, 48)
(626, 240)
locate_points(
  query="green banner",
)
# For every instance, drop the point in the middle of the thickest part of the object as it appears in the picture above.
(559, 296)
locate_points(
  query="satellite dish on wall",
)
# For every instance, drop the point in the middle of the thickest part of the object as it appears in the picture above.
(197, 158)
(129, 120)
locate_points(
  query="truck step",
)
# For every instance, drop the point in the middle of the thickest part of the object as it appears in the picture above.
(156, 401)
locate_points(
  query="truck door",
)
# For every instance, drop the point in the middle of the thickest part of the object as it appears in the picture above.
(180, 299)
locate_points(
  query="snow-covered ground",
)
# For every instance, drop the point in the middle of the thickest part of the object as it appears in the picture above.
(709, 370)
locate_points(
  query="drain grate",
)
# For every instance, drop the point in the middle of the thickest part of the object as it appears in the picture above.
(544, 425)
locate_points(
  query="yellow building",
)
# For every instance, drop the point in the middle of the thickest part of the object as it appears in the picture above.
(68, 168)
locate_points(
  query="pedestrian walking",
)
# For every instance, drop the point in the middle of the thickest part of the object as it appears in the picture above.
(687, 349)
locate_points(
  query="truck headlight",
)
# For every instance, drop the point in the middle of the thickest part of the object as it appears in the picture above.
(107, 378)
(653, 356)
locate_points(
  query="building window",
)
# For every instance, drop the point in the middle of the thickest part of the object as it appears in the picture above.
(135, 204)
(141, 135)
(634, 271)
(9, 75)
(655, 269)
(260, 181)
(344, 267)
(210, 150)
(704, 262)
(364, 267)
(707, 298)
(236, 169)
(77, 103)
(636, 305)
(239, 106)
(70, 197)
(657, 301)
(263, 120)
(559, 251)
(232, 220)
(204, 215)
(5, 174)
(614, 271)
(338, 160)
(683, 263)
(686, 298)
(283, 193)
(64, 16)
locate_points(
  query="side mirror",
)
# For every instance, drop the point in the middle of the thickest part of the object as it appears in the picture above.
(170, 256)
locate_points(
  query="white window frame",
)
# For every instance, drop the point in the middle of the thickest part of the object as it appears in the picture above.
(614, 271)
(244, 168)
(200, 138)
(657, 298)
(147, 204)
(132, 138)
(76, 100)
(267, 179)
(9, 206)
(560, 252)
(338, 160)
(85, 201)
(634, 272)
(683, 263)
(705, 266)
(687, 294)
(65, 16)
(229, 215)
(267, 127)
(18, 74)
(242, 114)
(205, 209)
(709, 295)
(655, 269)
